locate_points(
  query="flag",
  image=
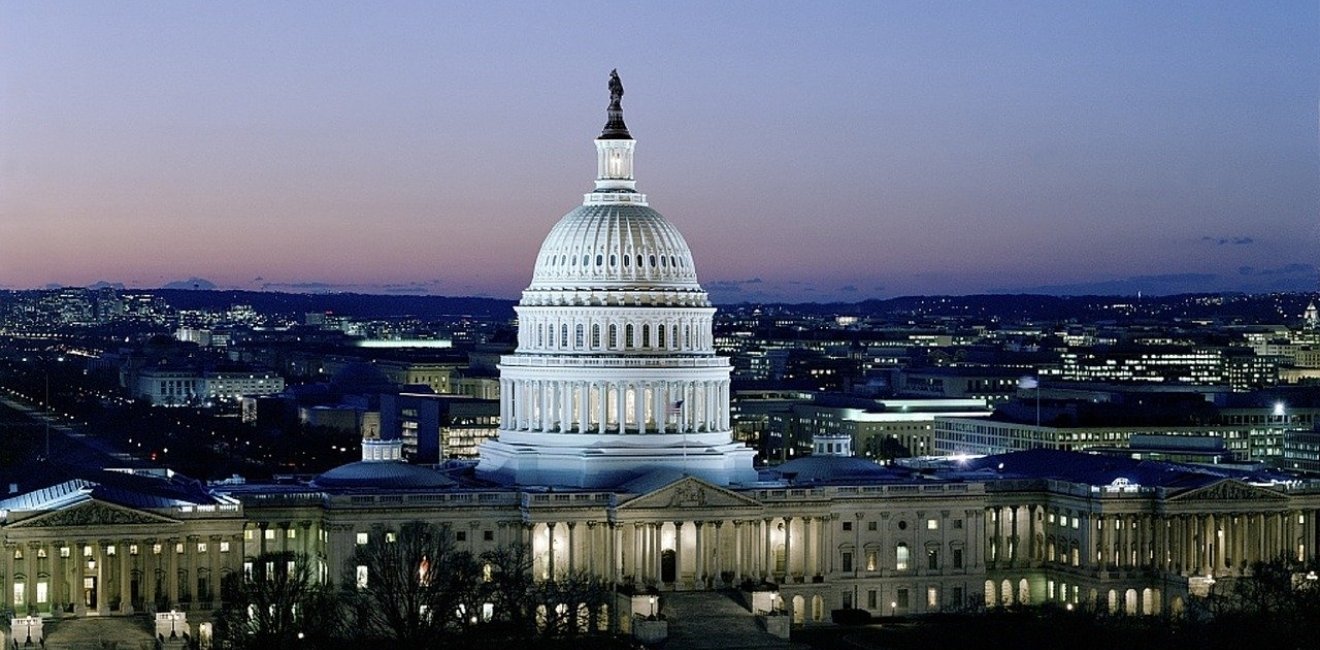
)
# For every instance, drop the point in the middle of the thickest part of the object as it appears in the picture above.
(675, 408)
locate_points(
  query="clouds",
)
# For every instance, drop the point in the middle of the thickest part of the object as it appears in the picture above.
(1228, 241)
(430, 287)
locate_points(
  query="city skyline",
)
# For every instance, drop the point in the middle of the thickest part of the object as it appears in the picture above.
(835, 153)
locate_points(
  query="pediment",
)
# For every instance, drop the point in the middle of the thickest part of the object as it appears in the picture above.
(1229, 490)
(690, 492)
(94, 513)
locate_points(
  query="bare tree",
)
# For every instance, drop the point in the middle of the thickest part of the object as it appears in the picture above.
(276, 604)
(412, 586)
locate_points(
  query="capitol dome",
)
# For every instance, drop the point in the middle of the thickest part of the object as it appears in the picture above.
(615, 373)
(614, 246)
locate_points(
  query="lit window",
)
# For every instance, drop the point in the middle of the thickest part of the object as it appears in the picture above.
(201, 547)
(901, 557)
(291, 534)
(361, 538)
(270, 533)
(390, 538)
(87, 551)
(64, 551)
(361, 576)
(132, 549)
(155, 548)
(178, 548)
(932, 524)
(247, 534)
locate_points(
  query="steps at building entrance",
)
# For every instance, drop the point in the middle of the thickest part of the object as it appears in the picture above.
(701, 620)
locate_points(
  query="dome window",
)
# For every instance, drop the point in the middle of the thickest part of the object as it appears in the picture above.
(614, 261)
(652, 261)
(600, 260)
(586, 260)
(639, 261)
(626, 260)
(662, 260)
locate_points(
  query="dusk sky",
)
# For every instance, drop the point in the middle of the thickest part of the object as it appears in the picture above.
(807, 151)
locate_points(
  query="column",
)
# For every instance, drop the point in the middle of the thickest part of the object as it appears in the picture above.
(699, 568)
(737, 550)
(788, 549)
(592, 550)
(57, 578)
(637, 564)
(616, 539)
(655, 551)
(678, 553)
(809, 543)
(125, 577)
(768, 568)
(550, 554)
(572, 547)
(103, 572)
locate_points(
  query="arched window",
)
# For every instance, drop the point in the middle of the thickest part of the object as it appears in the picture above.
(563, 335)
(595, 336)
(614, 336)
(628, 337)
(639, 261)
(901, 557)
(652, 261)
(540, 335)
(646, 336)
(600, 260)
(578, 335)
(613, 260)
(627, 261)
(660, 335)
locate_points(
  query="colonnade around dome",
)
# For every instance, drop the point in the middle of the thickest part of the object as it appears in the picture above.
(622, 406)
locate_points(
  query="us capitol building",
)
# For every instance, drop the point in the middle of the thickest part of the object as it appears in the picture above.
(615, 457)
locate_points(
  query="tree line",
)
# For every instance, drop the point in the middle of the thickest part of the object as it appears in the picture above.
(413, 588)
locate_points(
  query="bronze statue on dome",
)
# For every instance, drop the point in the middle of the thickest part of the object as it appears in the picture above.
(616, 90)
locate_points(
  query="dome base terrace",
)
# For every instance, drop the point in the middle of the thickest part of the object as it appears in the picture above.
(605, 461)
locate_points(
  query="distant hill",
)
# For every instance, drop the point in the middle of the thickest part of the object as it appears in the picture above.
(349, 304)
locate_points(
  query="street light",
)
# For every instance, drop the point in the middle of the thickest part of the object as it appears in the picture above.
(652, 599)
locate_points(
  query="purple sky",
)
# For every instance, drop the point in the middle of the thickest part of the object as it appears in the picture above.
(808, 151)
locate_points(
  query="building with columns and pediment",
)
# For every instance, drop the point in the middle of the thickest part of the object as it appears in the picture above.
(615, 457)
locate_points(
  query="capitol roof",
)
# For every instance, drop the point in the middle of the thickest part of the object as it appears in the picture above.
(607, 246)
(837, 469)
(382, 475)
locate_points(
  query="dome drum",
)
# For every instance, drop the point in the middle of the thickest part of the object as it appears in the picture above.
(615, 330)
